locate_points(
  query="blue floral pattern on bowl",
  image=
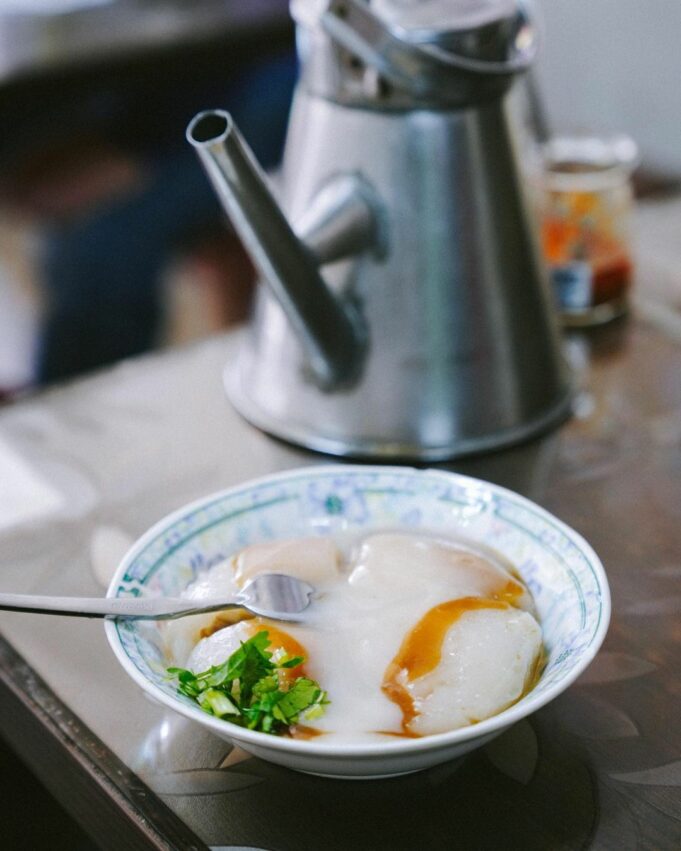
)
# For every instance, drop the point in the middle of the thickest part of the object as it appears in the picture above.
(561, 570)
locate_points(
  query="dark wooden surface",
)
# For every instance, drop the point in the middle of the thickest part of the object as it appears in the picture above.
(111, 804)
(24, 797)
(39, 44)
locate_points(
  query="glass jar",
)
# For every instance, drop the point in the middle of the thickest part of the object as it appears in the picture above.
(584, 200)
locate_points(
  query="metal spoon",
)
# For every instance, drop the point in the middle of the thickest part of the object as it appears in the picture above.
(270, 595)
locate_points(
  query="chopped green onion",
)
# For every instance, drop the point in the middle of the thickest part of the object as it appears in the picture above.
(246, 689)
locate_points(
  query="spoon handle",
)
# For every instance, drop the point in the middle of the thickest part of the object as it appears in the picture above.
(138, 608)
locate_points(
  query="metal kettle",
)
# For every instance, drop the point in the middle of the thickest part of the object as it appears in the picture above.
(404, 312)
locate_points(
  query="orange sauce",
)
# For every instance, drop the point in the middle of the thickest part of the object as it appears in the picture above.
(421, 650)
(278, 638)
(566, 239)
(535, 672)
(510, 592)
(400, 734)
(282, 640)
(301, 731)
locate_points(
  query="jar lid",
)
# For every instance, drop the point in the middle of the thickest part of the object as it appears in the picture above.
(587, 162)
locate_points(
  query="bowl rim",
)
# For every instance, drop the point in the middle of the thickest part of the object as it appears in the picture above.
(370, 750)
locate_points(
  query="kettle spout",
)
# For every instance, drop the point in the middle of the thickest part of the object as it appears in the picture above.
(327, 329)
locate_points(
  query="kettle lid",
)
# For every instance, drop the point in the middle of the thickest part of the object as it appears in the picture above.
(404, 54)
(478, 30)
(427, 18)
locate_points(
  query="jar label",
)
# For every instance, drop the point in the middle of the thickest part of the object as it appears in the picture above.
(573, 285)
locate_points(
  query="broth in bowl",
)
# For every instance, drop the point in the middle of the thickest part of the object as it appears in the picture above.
(409, 635)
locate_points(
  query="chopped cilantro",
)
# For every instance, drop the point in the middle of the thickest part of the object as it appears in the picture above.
(246, 689)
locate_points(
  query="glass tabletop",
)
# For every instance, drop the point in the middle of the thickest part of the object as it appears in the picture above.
(96, 462)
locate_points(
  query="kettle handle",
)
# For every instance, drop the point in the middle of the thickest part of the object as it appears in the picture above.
(420, 68)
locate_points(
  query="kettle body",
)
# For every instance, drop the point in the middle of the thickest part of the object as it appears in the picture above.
(458, 345)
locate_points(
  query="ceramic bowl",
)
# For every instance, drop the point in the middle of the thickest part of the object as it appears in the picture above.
(563, 573)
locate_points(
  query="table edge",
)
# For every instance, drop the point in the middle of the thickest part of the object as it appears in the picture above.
(106, 798)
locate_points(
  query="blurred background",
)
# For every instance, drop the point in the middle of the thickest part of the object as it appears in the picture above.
(612, 66)
(111, 242)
